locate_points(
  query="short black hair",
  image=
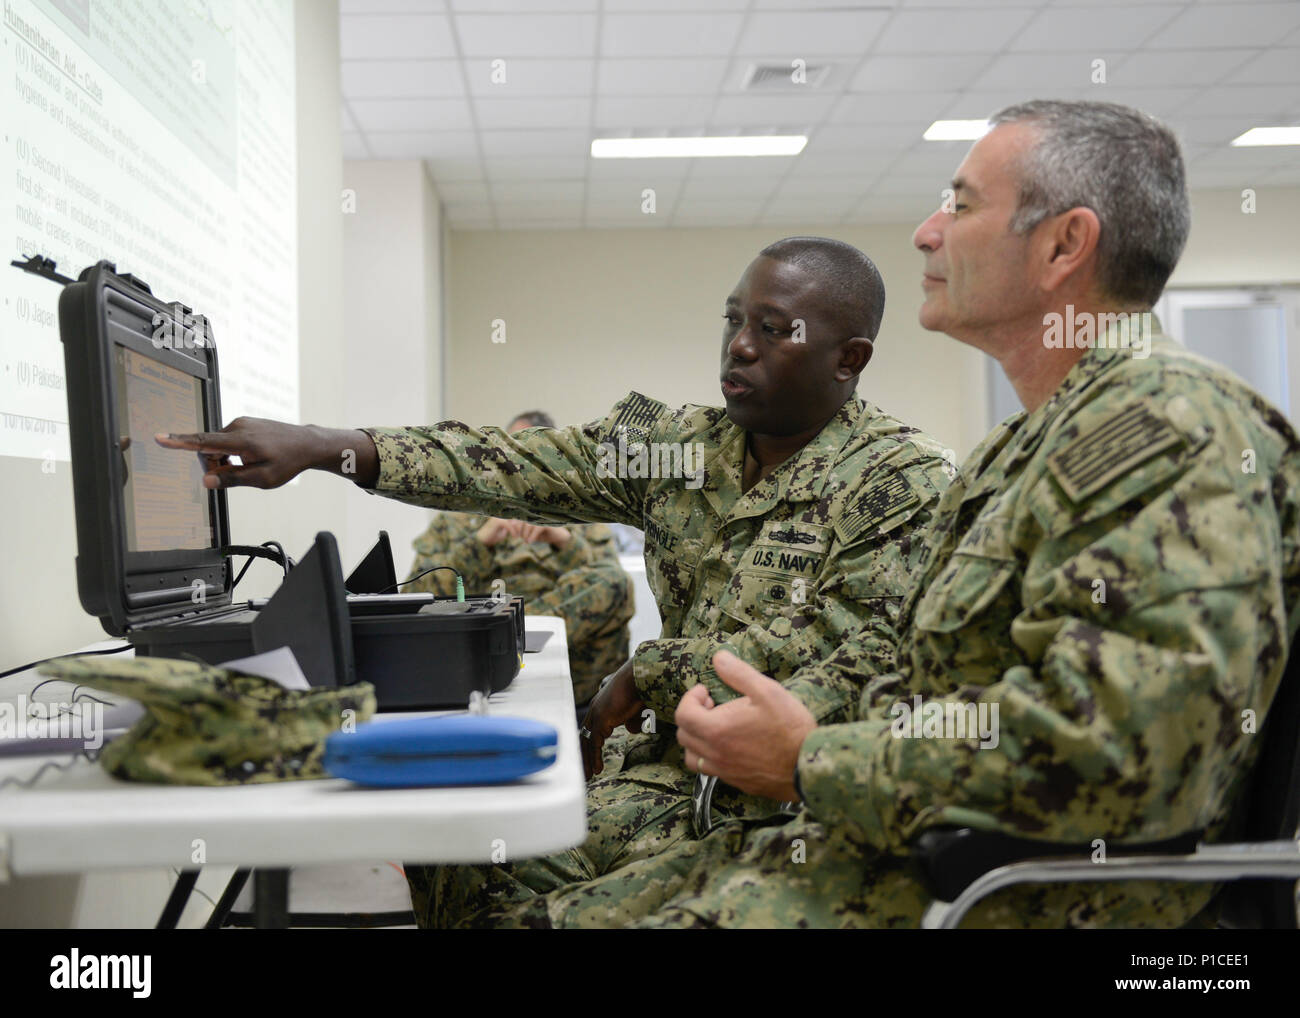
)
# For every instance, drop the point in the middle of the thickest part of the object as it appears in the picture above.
(851, 279)
(534, 419)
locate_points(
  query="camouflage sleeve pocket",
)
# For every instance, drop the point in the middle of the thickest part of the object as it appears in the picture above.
(967, 585)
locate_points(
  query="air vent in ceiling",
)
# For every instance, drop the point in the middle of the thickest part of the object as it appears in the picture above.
(792, 76)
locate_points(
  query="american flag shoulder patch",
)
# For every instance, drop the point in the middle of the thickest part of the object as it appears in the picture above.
(886, 496)
(1093, 460)
(636, 415)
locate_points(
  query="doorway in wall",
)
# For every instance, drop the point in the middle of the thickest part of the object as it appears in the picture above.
(1252, 331)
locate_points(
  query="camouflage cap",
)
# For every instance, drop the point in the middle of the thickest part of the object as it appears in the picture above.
(205, 725)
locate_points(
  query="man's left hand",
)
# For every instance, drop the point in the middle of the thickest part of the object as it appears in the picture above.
(752, 743)
(618, 702)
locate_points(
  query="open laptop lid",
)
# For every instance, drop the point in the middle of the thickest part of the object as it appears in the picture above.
(148, 532)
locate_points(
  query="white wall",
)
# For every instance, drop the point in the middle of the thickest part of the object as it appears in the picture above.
(1229, 247)
(591, 314)
(393, 324)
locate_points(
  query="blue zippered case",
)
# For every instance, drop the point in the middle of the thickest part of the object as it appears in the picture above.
(462, 749)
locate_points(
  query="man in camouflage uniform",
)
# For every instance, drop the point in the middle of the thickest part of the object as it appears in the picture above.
(572, 572)
(777, 528)
(1116, 570)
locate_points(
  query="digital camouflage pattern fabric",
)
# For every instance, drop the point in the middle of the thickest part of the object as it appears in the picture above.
(213, 726)
(1118, 573)
(819, 551)
(582, 583)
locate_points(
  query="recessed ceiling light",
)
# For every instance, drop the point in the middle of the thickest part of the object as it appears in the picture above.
(956, 130)
(686, 148)
(1269, 136)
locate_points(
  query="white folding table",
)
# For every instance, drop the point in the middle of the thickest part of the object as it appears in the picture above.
(82, 819)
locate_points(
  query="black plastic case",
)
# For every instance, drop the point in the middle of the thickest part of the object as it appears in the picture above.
(427, 659)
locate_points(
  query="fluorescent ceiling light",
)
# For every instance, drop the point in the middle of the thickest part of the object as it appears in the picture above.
(684, 148)
(956, 130)
(1269, 136)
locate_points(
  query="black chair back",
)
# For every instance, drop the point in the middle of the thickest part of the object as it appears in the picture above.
(1270, 809)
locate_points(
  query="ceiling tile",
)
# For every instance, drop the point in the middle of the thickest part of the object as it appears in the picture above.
(637, 112)
(838, 139)
(630, 193)
(976, 104)
(805, 33)
(795, 186)
(537, 190)
(504, 114)
(626, 6)
(517, 6)
(1279, 66)
(1158, 102)
(383, 36)
(812, 205)
(1201, 180)
(660, 77)
(668, 35)
(739, 167)
(411, 114)
(1236, 24)
(866, 163)
(1124, 3)
(838, 69)
(1104, 31)
(571, 142)
(402, 144)
(1029, 71)
(1260, 102)
(392, 7)
(951, 31)
(1210, 130)
(640, 169)
(527, 35)
(1248, 159)
(1190, 68)
(913, 4)
(535, 167)
(751, 110)
(924, 73)
(920, 108)
(529, 78)
(675, 67)
(931, 160)
(699, 189)
(401, 79)
(1287, 175)
(742, 208)
(909, 183)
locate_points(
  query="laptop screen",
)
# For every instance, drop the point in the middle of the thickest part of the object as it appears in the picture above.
(148, 533)
(164, 503)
